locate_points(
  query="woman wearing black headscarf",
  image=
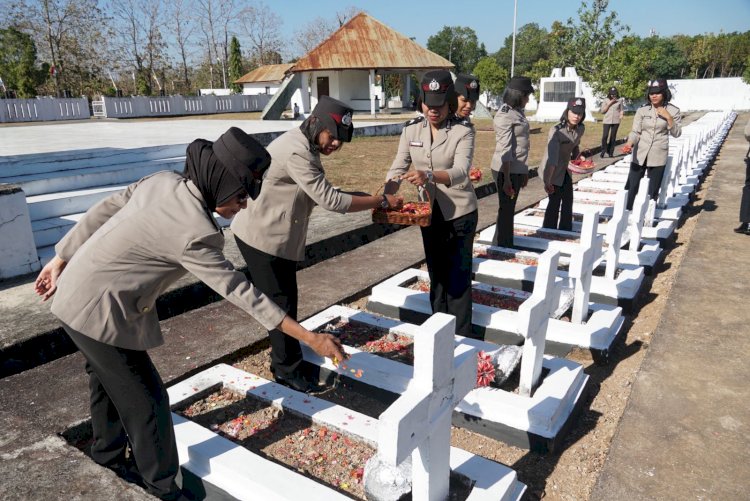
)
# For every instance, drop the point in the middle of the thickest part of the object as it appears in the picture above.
(112, 266)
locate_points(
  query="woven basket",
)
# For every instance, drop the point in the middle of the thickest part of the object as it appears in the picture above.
(393, 216)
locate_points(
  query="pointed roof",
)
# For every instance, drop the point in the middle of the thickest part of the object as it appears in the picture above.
(267, 73)
(366, 43)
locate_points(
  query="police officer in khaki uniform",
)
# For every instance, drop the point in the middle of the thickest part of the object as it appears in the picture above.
(744, 226)
(509, 168)
(562, 146)
(112, 266)
(271, 233)
(613, 109)
(467, 90)
(653, 123)
(440, 147)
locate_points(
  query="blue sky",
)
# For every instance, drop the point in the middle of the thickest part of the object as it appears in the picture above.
(493, 19)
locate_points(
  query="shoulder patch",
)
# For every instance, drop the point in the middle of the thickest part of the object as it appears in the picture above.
(644, 105)
(559, 125)
(413, 121)
(505, 108)
(461, 121)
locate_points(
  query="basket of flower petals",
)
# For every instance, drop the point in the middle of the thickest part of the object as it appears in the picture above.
(580, 166)
(409, 214)
(475, 174)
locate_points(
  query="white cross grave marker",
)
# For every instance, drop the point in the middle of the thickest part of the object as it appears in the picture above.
(638, 214)
(582, 262)
(533, 317)
(419, 422)
(615, 231)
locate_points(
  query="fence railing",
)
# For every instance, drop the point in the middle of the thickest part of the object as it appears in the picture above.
(45, 108)
(140, 106)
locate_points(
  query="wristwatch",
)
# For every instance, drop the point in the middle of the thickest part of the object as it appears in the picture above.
(430, 176)
(384, 203)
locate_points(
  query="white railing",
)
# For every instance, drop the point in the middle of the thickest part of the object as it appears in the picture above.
(42, 109)
(141, 106)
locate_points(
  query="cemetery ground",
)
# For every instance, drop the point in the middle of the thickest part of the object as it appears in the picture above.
(40, 403)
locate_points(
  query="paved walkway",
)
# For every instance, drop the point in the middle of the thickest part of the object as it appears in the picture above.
(684, 434)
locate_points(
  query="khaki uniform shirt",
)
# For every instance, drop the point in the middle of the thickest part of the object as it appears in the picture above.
(451, 151)
(276, 222)
(650, 135)
(747, 131)
(562, 146)
(511, 140)
(130, 247)
(612, 112)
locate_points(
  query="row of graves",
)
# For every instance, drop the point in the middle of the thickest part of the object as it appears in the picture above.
(554, 291)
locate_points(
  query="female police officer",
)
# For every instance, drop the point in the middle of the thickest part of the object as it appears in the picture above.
(440, 146)
(271, 233)
(653, 123)
(119, 258)
(508, 165)
(562, 147)
(613, 110)
(467, 91)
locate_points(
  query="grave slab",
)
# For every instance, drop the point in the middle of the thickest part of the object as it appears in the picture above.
(245, 475)
(395, 299)
(538, 422)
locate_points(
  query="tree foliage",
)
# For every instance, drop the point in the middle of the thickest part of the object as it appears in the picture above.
(235, 65)
(531, 46)
(459, 45)
(18, 62)
(491, 77)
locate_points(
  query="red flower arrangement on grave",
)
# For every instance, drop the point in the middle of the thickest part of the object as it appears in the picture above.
(485, 370)
(475, 174)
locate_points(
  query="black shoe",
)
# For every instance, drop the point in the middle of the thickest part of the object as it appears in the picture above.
(300, 383)
(610, 155)
(602, 154)
(743, 228)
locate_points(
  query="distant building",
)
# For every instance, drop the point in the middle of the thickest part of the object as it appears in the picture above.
(264, 80)
(350, 65)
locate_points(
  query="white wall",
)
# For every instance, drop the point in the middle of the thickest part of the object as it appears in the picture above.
(254, 89)
(710, 94)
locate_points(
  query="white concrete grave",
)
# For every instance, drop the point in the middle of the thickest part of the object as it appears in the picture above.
(537, 422)
(418, 423)
(582, 264)
(619, 285)
(394, 298)
(244, 475)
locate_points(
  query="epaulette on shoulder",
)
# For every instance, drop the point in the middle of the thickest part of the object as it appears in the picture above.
(559, 125)
(461, 121)
(645, 104)
(414, 120)
(505, 108)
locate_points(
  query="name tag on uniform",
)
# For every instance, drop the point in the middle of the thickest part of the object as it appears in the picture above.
(418, 144)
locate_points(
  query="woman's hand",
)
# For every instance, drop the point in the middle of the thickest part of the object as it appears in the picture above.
(549, 188)
(46, 283)
(508, 189)
(662, 112)
(395, 201)
(627, 148)
(328, 345)
(416, 177)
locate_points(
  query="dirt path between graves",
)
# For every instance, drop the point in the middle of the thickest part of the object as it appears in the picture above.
(570, 473)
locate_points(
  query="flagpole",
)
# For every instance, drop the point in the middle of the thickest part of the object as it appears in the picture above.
(513, 51)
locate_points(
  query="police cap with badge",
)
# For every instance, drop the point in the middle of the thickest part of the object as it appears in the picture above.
(467, 86)
(577, 105)
(336, 117)
(436, 88)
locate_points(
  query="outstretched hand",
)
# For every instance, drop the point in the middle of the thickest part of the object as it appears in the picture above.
(46, 283)
(328, 345)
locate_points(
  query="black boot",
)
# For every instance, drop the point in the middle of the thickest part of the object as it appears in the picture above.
(602, 154)
(743, 228)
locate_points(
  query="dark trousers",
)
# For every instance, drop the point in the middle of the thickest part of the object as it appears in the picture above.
(506, 210)
(448, 250)
(276, 278)
(655, 175)
(129, 404)
(560, 206)
(745, 202)
(609, 137)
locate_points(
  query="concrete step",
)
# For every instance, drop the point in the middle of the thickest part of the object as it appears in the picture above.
(52, 205)
(49, 231)
(89, 177)
(24, 165)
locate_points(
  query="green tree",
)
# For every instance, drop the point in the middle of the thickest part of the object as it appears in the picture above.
(18, 62)
(746, 73)
(459, 45)
(235, 65)
(625, 69)
(666, 60)
(492, 78)
(532, 44)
